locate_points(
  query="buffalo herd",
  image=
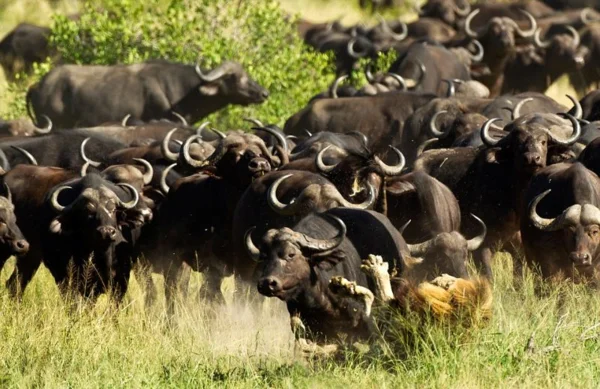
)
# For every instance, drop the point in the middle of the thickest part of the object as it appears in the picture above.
(370, 196)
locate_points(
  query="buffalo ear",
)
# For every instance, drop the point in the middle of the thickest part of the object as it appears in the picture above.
(495, 155)
(399, 187)
(327, 261)
(209, 89)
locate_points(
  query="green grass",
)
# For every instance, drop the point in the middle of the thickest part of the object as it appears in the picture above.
(244, 344)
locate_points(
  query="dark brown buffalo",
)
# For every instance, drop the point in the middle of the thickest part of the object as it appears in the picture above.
(193, 226)
(489, 181)
(535, 68)
(25, 45)
(297, 264)
(151, 90)
(379, 117)
(560, 225)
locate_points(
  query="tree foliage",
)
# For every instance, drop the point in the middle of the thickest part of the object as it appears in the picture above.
(255, 33)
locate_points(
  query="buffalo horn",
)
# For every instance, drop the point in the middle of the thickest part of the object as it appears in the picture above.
(423, 146)
(278, 135)
(319, 161)
(577, 106)
(84, 157)
(253, 251)
(433, 126)
(462, 11)
(516, 112)
(125, 120)
(392, 170)
(216, 73)
(256, 122)
(388, 30)
(181, 118)
(573, 138)
(27, 155)
(321, 246)
(134, 201)
(480, 51)
(164, 147)
(485, 135)
(185, 151)
(352, 52)
(334, 87)
(164, 187)
(54, 198)
(474, 243)
(451, 88)
(46, 129)
(148, 172)
(468, 30)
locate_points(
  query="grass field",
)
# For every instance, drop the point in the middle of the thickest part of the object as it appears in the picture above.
(249, 344)
(45, 342)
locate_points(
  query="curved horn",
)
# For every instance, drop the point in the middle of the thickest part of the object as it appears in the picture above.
(46, 129)
(404, 226)
(422, 70)
(278, 135)
(365, 204)
(133, 202)
(543, 223)
(480, 51)
(164, 187)
(400, 80)
(476, 242)
(462, 11)
(485, 136)
(516, 112)
(423, 146)
(185, 152)
(433, 130)
(84, 157)
(125, 120)
(362, 136)
(324, 245)
(27, 155)
(253, 251)
(181, 118)
(468, 30)
(420, 249)
(573, 138)
(149, 171)
(54, 198)
(274, 203)
(585, 16)
(537, 39)
(256, 122)
(201, 128)
(164, 147)
(352, 52)
(214, 74)
(84, 168)
(577, 107)
(334, 86)
(575, 34)
(308, 133)
(369, 74)
(451, 88)
(392, 170)
(320, 164)
(219, 133)
(528, 33)
(388, 30)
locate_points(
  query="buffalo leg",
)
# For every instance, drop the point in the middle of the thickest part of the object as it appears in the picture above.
(172, 282)
(211, 287)
(483, 261)
(23, 273)
(143, 273)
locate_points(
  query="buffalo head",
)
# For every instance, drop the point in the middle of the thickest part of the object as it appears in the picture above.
(289, 259)
(580, 225)
(230, 81)
(12, 241)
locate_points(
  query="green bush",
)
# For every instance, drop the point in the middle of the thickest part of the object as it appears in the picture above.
(255, 33)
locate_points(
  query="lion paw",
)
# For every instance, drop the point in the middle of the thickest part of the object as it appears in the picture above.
(374, 265)
(340, 285)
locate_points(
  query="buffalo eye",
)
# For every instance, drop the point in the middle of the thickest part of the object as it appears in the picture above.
(543, 143)
(595, 232)
(291, 255)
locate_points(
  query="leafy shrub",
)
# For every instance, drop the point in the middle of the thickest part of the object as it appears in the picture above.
(255, 33)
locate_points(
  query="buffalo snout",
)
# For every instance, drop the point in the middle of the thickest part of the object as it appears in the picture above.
(259, 166)
(581, 258)
(108, 233)
(533, 160)
(20, 247)
(269, 286)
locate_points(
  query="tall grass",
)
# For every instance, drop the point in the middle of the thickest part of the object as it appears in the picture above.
(248, 344)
